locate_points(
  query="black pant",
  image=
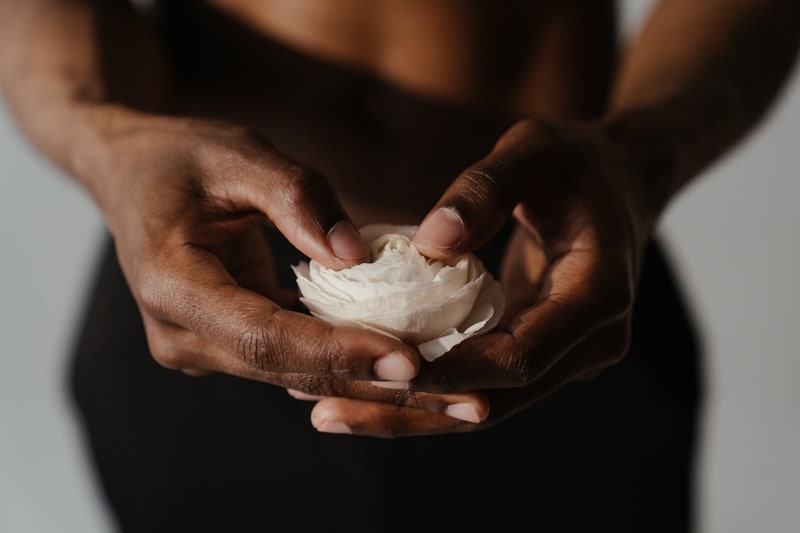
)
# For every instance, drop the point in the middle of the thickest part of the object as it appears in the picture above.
(222, 454)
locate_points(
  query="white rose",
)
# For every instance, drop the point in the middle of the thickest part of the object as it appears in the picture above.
(427, 303)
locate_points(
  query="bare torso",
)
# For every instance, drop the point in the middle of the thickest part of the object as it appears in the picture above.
(391, 99)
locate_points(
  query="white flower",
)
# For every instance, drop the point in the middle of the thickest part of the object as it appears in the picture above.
(427, 303)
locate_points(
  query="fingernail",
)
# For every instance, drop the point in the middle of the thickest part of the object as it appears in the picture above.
(391, 384)
(346, 242)
(394, 367)
(463, 411)
(332, 426)
(444, 229)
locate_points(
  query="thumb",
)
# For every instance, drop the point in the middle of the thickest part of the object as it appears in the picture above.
(301, 203)
(482, 199)
(472, 210)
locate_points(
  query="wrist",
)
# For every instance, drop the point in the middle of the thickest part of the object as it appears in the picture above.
(94, 128)
(653, 156)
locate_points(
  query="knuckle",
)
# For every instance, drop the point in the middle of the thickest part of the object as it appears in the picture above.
(338, 362)
(271, 343)
(241, 134)
(280, 344)
(228, 137)
(166, 352)
(316, 386)
(329, 386)
(157, 293)
(533, 358)
(483, 185)
(508, 359)
(302, 186)
(230, 149)
(519, 368)
(528, 369)
(196, 373)
(406, 398)
(152, 298)
(257, 348)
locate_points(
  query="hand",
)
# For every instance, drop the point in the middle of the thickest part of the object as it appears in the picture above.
(183, 200)
(569, 274)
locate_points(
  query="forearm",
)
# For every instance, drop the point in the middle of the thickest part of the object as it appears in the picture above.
(63, 62)
(698, 78)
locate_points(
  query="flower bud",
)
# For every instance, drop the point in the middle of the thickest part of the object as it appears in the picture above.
(427, 303)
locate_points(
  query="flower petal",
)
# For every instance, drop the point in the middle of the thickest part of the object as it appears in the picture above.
(428, 303)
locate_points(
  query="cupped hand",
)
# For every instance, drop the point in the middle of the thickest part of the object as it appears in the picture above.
(570, 273)
(184, 199)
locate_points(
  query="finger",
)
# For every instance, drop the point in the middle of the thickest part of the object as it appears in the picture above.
(337, 415)
(304, 396)
(301, 203)
(196, 373)
(472, 210)
(522, 274)
(579, 301)
(586, 361)
(179, 349)
(356, 417)
(197, 294)
(481, 200)
(249, 261)
(467, 406)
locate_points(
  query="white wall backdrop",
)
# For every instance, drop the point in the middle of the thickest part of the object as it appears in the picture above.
(736, 237)
(48, 235)
(736, 240)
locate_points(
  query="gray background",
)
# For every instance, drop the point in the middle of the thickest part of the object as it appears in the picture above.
(736, 245)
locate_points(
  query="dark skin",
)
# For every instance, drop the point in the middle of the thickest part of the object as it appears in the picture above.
(585, 176)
